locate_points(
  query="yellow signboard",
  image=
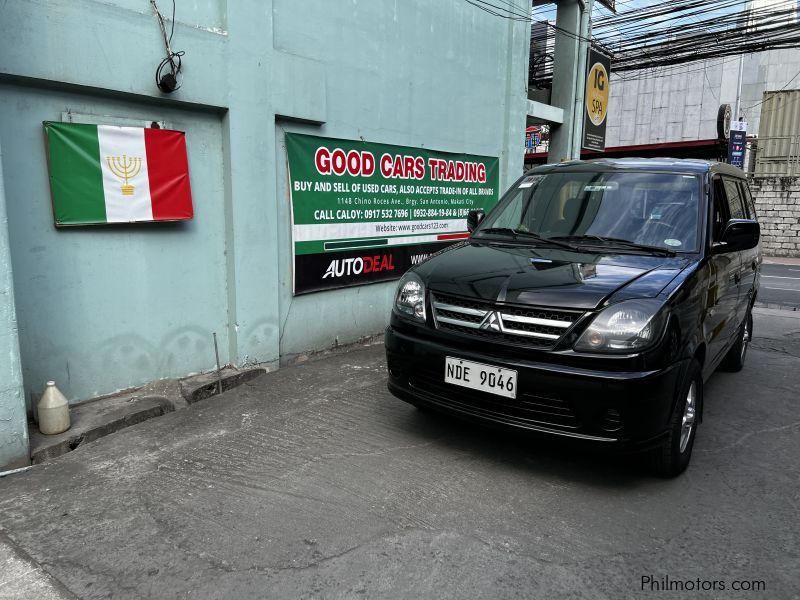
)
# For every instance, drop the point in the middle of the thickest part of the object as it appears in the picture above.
(597, 96)
(597, 93)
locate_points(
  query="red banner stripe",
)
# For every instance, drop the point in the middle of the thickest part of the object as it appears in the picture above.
(452, 236)
(168, 170)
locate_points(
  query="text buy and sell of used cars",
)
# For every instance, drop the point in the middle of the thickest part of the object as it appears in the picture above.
(592, 303)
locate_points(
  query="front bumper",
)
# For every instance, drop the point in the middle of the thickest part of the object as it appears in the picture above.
(621, 409)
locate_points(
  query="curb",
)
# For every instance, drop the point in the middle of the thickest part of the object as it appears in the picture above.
(775, 306)
(782, 260)
(98, 417)
(207, 385)
(93, 420)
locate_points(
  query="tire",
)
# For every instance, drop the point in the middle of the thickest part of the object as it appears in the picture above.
(673, 456)
(734, 359)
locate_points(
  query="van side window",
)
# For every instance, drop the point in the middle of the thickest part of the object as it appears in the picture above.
(748, 200)
(720, 217)
(735, 201)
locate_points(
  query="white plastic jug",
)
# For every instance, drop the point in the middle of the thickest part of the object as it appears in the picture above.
(53, 410)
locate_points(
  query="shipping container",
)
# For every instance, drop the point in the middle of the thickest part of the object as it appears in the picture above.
(778, 153)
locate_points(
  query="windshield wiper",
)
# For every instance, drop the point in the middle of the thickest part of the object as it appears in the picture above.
(516, 233)
(612, 241)
(499, 230)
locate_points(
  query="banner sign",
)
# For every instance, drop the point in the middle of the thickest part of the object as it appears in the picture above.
(597, 95)
(737, 143)
(364, 212)
(533, 139)
(105, 174)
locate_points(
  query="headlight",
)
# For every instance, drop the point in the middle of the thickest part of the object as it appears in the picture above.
(629, 326)
(410, 297)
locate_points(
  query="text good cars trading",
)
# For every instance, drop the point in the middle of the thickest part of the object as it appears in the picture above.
(592, 302)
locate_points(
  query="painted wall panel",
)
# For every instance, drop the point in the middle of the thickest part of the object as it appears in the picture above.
(203, 14)
(431, 73)
(412, 73)
(104, 308)
(111, 50)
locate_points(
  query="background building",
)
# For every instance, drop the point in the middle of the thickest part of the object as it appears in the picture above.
(681, 103)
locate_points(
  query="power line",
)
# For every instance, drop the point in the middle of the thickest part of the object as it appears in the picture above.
(641, 38)
(665, 34)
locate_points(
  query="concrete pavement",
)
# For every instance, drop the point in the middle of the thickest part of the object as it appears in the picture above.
(780, 286)
(22, 577)
(313, 482)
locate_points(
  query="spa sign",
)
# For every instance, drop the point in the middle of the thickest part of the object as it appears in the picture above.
(596, 101)
(364, 212)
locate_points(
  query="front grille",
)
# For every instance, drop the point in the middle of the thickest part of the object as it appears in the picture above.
(528, 408)
(530, 326)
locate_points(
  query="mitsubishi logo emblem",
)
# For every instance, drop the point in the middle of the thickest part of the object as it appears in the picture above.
(491, 322)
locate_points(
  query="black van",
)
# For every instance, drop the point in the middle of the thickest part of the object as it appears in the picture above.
(592, 302)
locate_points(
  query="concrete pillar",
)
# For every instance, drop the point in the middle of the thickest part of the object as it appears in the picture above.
(13, 420)
(573, 19)
(252, 229)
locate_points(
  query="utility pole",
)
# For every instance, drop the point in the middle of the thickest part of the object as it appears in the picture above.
(736, 113)
(580, 78)
(573, 30)
(746, 21)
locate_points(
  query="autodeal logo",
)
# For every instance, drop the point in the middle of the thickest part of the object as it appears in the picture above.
(347, 267)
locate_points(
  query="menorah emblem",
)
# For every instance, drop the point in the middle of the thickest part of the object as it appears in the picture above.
(125, 167)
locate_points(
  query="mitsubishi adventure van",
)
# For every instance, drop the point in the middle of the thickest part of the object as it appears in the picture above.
(592, 302)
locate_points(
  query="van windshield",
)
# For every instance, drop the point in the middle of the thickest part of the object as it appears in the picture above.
(659, 210)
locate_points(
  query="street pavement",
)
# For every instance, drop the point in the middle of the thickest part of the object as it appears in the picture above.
(780, 285)
(22, 577)
(314, 482)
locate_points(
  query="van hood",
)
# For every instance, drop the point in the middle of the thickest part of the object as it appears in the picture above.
(521, 274)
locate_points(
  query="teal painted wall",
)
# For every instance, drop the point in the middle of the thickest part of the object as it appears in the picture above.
(13, 422)
(105, 308)
(101, 309)
(442, 75)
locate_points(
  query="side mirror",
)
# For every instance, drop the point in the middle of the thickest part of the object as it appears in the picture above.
(474, 219)
(739, 234)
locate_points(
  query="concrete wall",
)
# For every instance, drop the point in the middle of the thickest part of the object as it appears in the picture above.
(778, 206)
(427, 74)
(102, 309)
(681, 103)
(13, 423)
(110, 307)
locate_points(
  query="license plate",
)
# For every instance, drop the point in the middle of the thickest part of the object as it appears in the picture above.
(478, 376)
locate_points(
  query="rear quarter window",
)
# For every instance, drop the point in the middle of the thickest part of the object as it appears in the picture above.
(749, 204)
(735, 202)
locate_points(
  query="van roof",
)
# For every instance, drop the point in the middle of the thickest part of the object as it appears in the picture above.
(682, 165)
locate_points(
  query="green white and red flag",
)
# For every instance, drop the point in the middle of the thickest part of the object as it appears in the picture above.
(107, 174)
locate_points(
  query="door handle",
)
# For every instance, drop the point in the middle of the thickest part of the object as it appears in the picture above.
(754, 264)
(737, 277)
